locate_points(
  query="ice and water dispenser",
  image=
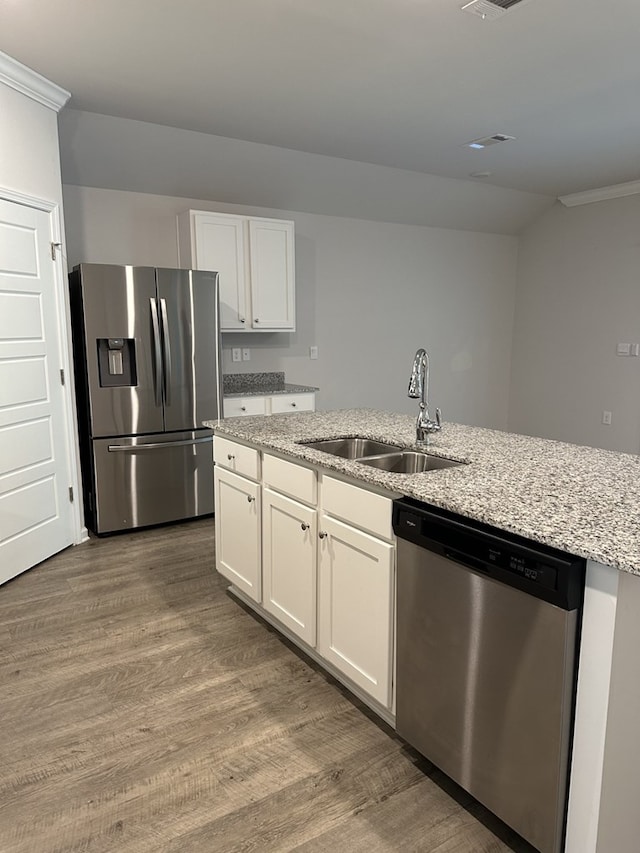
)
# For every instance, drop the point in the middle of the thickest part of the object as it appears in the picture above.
(117, 362)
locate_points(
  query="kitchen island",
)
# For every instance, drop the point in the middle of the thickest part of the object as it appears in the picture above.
(578, 499)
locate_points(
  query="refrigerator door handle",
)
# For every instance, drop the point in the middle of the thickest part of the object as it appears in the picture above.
(130, 448)
(157, 352)
(167, 352)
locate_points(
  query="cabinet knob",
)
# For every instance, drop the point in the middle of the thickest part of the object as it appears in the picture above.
(304, 526)
(294, 405)
(250, 499)
(230, 456)
(256, 320)
(322, 535)
(243, 408)
(242, 320)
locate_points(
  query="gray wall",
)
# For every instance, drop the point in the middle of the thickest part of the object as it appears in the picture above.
(578, 295)
(368, 295)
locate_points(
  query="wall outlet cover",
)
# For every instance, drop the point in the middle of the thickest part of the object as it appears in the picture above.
(236, 354)
(313, 352)
(246, 354)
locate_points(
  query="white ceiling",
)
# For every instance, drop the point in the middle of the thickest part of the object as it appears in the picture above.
(401, 83)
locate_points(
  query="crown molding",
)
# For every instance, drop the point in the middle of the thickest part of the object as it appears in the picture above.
(600, 194)
(30, 83)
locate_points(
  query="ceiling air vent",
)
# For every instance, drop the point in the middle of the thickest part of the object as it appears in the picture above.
(489, 9)
(486, 141)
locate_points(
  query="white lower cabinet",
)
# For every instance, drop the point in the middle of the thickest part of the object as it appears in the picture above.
(273, 404)
(317, 557)
(355, 606)
(289, 563)
(238, 539)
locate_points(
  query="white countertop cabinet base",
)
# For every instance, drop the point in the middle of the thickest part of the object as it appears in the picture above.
(269, 404)
(238, 540)
(289, 531)
(355, 606)
(325, 582)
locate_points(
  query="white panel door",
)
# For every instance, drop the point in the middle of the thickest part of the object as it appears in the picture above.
(289, 563)
(237, 521)
(220, 246)
(355, 606)
(272, 274)
(36, 518)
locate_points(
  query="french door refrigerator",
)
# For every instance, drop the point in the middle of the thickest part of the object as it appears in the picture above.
(147, 364)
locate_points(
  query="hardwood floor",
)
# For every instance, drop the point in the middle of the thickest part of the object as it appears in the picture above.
(143, 710)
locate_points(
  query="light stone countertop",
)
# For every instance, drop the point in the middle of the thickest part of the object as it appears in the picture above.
(260, 384)
(578, 499)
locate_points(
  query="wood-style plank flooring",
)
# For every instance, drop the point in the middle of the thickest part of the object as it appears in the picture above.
(143, 710)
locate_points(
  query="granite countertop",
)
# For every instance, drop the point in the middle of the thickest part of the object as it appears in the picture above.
(258, 384)
(578, 499)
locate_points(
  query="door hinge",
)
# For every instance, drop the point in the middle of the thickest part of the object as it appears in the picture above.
(62, 376)
(70, 494)
(55, 246)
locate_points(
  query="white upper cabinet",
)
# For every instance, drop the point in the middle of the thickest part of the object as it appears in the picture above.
(255, 260)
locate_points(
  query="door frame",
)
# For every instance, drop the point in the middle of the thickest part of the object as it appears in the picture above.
(63, 319)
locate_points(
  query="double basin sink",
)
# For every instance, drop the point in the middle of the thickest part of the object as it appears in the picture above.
(378, 454)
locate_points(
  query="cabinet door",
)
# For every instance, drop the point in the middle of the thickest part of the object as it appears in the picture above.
(272, 274)
(237, 520)
(220, 246)
(289, 563)
(356, 601)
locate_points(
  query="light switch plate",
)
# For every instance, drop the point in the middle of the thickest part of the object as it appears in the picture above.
(313, 352)
(246, 354)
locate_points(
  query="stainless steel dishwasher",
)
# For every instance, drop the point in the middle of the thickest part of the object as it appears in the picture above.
(488, 628)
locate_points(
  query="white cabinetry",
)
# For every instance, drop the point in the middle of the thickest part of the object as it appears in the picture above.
(327, 558)
(289, 551)
(271, 404)
(289, 532)
(356, 589)
(238, 516)
(255, 259)
(355, 606)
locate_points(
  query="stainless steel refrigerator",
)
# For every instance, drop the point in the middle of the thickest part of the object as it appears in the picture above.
(147, 363)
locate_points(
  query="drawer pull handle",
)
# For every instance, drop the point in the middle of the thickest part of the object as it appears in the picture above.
(304, 526)
(250, 499)
(322, 535)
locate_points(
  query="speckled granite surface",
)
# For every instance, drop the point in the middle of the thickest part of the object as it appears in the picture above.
(579, 499)
(257, 384)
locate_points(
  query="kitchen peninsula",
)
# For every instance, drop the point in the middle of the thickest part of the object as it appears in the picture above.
(577, 499)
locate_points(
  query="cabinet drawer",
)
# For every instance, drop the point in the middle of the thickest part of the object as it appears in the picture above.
(236, 457)
(236, 407)
(281, 403)
(357, 506)
(290, 479)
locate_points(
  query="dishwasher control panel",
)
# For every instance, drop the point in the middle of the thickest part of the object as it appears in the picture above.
(548, 573)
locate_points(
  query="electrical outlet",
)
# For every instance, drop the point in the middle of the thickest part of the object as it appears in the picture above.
(623, 349)
(606, 418)
(246, 354)
(313, 352)
(236, 354)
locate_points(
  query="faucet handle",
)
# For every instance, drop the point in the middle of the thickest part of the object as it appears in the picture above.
(439, 418)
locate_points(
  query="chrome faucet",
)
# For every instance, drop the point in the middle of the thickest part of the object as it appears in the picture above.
(419, 389)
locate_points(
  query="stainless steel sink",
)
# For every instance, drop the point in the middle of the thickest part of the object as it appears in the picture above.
(351, 448)
(409, 462)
